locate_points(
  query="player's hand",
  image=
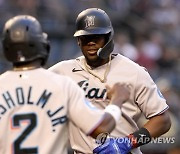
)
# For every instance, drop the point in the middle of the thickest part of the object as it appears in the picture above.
(118, 94)
(114, 146)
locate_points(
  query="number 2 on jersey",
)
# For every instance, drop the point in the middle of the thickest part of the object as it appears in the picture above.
(17, 121)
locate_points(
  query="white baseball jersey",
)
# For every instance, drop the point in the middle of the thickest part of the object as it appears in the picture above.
(35, 106)
(145, 98)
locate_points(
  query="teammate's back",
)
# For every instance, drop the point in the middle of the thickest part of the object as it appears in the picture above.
(34, 109)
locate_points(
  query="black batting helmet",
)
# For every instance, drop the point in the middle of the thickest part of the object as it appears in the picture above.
(96, 21)
(24, 41)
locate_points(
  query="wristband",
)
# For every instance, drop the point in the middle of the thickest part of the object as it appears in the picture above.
(140, 137)
(114, 110)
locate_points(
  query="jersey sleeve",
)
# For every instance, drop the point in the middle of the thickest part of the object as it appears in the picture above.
(81, 112)
(148, 96)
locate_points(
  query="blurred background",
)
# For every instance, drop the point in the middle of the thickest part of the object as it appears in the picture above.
(146, 31)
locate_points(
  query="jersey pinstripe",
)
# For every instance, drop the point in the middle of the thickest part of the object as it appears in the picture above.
(145, 97)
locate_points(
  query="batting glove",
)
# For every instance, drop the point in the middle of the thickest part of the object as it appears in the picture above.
(114, 146)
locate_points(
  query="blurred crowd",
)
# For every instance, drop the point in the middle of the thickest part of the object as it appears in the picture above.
(146, 31)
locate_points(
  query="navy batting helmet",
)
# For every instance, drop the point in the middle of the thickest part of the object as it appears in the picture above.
(95, 21)
(24, 41)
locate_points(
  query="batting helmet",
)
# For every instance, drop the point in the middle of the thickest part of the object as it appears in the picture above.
(24, 41)
(96, 21)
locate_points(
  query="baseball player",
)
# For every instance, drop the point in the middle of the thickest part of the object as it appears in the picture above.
(98, 67)
(36, 104)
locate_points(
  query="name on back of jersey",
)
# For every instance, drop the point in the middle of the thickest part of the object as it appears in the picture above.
(8, 102)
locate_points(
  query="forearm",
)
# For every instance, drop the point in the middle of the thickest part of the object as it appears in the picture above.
(118, 94)
(155, 127)
(112, 114)
(106, 126)
(158, 125)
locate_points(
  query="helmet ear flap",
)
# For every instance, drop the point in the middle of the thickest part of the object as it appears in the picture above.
(78, 41)
(47, 43)
(48, 47)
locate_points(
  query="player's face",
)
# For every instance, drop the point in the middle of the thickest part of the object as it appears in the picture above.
(89, 45)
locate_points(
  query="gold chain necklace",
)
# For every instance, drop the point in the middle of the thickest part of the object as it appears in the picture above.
(105, 73)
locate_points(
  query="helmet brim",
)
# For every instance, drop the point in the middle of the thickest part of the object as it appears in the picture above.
(92, 31)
